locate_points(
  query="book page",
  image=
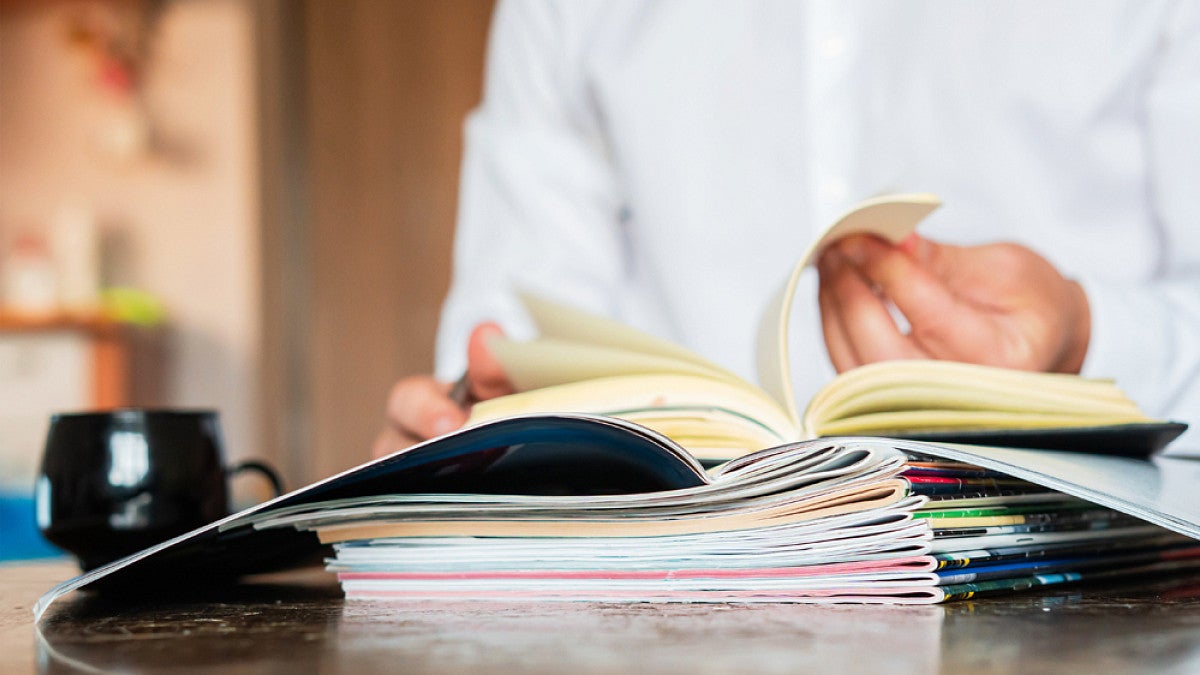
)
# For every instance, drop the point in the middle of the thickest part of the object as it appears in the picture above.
(575, 345)
(929, 385)
(712, 418)
(892, 217)
(547, 362)
(563, 322)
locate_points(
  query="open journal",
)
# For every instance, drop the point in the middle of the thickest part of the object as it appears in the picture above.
(586, 363)
(577, 507)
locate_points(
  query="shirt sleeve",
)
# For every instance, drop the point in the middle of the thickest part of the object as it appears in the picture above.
(538, 205)
(1147, 335)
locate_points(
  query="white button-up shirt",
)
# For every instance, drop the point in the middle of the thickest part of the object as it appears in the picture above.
(667, 162)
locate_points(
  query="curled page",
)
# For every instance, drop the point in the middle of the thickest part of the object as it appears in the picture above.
(892, 217)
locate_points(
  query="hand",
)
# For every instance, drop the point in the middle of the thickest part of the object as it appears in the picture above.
(419, 407)
(998, 304)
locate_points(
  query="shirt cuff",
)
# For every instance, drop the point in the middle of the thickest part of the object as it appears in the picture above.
(1130, 342)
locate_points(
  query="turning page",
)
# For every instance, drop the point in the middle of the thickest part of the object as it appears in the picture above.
(892, 217)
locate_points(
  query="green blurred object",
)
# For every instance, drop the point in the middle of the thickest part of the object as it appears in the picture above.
(130, 305)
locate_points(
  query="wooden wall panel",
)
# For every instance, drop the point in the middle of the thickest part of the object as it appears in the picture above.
(388, 85)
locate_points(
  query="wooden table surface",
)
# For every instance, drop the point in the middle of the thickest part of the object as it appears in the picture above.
(298, 623)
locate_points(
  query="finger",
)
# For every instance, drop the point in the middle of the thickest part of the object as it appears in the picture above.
(841, 353)
(1029, 315)
(486, 375)
(420, 407)
(958, 324)
(918, 248)
(867, 322)
(965, 268)
(917, 277)
(919, 295)
(390, 440)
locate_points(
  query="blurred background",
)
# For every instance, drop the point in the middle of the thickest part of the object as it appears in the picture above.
(243, 205)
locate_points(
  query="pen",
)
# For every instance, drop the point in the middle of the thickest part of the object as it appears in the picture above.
(460, 391)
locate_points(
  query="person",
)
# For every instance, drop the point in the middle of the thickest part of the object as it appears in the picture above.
(666, 163)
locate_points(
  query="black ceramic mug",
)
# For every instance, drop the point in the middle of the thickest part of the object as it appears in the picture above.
(113, 483)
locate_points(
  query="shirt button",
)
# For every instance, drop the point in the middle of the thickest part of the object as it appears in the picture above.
(834, 189)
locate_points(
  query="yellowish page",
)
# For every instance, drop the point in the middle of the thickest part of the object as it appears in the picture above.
(548, 362)
(948, 385)
(892, 217)
(576, 345)
(571, 324)
(695, 411)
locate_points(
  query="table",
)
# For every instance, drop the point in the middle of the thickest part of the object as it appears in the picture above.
(298, 622)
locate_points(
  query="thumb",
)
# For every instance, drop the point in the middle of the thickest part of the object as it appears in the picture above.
(487, 376)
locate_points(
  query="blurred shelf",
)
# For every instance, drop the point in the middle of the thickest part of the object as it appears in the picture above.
(89, 322)
(111, 364)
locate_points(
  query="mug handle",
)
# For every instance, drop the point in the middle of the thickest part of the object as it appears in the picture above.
(266, 471)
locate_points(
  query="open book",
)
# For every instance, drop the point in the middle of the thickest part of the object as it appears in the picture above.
(571, 507)
(586, 363)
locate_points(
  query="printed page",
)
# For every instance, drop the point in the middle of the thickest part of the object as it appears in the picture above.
(1162, 491)
(813, 473)
(854, 499)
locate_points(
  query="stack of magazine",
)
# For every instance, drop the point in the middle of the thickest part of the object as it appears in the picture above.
(993, 533)
(853, 520)
(580, 507)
